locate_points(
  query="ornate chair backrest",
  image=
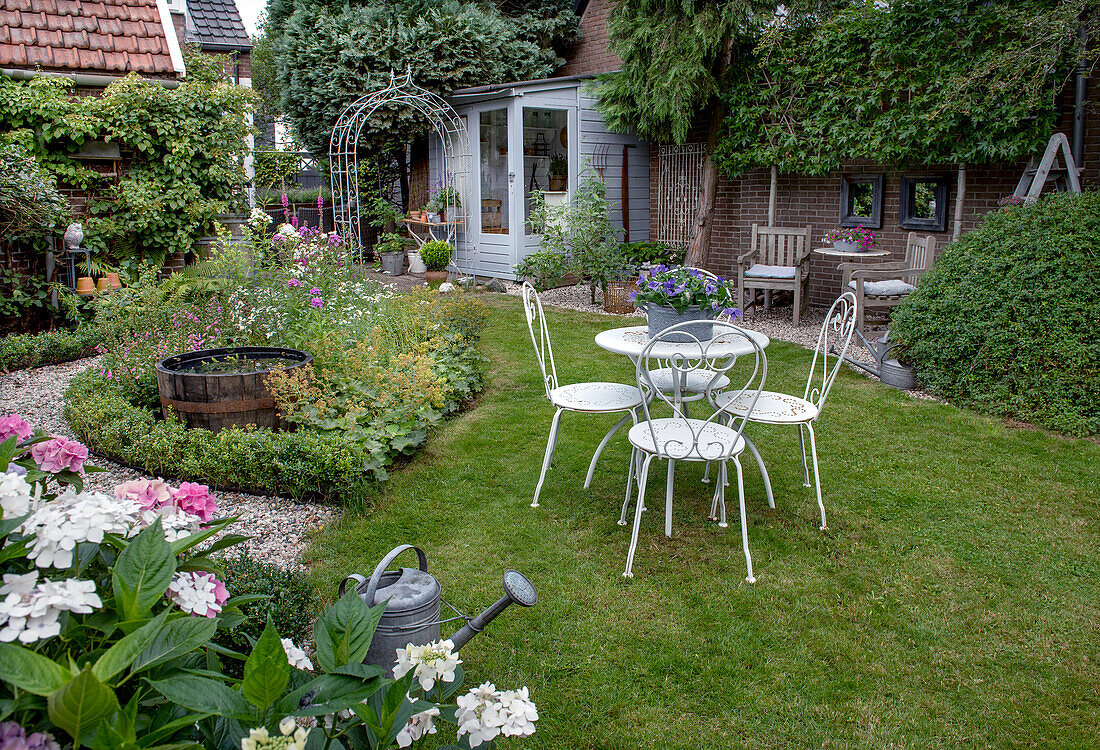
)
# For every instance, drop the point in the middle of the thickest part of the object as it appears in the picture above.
(920, 253)
(683, 351)
(835, 337)
(780, 246)
(544, 352)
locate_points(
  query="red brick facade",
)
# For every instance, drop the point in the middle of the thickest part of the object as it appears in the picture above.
(590, 54)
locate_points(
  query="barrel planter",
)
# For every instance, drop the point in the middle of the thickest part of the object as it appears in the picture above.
(224, 398)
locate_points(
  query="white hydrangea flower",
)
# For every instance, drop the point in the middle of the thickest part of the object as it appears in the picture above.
(296, 656)
(30, 610)
(17, 498)
(520, 713)
(195, 593)
(176, 522)
(480, 714)
(291, 739)
(58, 526)
(435, 661)
(419, 725)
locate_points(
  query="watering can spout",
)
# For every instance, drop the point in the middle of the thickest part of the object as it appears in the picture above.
(517, 589)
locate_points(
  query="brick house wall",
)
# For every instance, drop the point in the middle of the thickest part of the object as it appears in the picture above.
(802, 200)
(590, 53)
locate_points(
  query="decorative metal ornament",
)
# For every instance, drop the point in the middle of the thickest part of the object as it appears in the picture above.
(455, 145)
(542, 148)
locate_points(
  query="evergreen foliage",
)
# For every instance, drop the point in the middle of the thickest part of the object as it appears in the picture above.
(914, 82)
(1008, 320)
(328, 55)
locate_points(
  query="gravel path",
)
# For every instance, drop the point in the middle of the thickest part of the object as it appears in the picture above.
(278, 527)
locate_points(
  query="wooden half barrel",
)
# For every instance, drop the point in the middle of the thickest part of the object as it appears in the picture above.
(216, 400)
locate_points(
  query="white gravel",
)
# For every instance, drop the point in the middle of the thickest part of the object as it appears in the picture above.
(775, 323)
(279, 527)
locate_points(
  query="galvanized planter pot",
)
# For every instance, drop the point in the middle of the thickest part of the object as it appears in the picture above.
(661, 317)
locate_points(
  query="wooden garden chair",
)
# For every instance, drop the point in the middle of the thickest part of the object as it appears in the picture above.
(882, 286)
(778, 259)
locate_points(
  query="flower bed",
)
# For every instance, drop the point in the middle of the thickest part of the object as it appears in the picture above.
(387, 367)
(109, 623)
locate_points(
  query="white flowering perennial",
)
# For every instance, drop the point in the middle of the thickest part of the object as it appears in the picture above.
(176, 522)
(291, 737)
(199, 594)
(484, 713)
(71, 518)
(419, 725)
(16, 496)
(296, 656)
(435, 661)
(30, 610)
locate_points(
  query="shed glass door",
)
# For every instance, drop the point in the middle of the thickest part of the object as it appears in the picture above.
(545, 157)
(493, 169)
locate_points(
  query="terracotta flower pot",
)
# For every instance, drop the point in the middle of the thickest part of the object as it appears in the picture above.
(435, 278)
(103, 285)
(115, 283)
(85, 285)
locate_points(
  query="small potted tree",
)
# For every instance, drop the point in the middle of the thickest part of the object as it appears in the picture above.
(436, 255)
(559, 173)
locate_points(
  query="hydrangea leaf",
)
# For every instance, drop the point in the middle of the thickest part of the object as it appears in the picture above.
(143, 572)
(179, 637)
(80, 705)
(267, 669)
(29, 671)
(344, 632)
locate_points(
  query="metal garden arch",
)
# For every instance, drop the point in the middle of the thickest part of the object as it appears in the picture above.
(344, 157)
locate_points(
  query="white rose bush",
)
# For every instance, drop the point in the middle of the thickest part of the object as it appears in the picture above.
(109, 604)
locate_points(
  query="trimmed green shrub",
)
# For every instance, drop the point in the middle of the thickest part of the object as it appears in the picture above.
(436, 255)
(290, 604)
(1008, 320)
(47, 348)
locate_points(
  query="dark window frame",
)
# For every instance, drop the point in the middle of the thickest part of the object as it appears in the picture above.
(878, 184)
(906, 193)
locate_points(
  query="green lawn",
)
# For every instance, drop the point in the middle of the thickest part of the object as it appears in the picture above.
(954, 600)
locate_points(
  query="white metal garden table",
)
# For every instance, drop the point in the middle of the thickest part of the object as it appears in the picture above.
(632, 340)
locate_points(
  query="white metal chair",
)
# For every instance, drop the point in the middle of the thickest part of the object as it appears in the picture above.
(681, 438)
(782, 409)
(587, 398)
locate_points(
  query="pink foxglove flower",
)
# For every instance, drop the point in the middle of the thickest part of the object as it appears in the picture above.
(198, 594)
(15, 425)
(148, 493)
(58, 454)
(196, 500)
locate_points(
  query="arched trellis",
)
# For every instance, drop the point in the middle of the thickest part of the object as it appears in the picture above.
(454, 170)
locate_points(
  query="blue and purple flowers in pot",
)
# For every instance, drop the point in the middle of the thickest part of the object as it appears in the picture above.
(683, 288)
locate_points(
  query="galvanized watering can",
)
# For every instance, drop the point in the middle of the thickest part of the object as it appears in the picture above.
(413, 599)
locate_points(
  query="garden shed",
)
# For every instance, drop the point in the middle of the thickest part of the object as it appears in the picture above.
(531, 136)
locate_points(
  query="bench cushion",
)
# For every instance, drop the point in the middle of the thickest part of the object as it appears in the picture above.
(886, 288)
(761, 271)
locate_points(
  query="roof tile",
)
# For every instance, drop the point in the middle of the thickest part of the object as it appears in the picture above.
(115, 61)
(46, 38)
(39, 56)
(10, 18)
(66, 58)
(75, 39)
(110, 27)
(62, 23)
(69, 7)
(81, 23)
(23, 36)
(44, 6)
(5, 35)
(10, 55)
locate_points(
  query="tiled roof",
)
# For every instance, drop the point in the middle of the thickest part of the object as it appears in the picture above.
(216, 22)
(105, 37)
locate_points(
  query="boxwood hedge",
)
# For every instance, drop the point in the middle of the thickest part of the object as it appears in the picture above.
(1008, 320)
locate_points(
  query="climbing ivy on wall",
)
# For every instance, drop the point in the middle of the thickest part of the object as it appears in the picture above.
(907, 82)
(182, 152)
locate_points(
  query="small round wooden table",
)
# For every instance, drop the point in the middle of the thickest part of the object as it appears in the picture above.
(832, 252)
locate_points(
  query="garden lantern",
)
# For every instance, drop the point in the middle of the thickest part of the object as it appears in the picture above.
(413, 598)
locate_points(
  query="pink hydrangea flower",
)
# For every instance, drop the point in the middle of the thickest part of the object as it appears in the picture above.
(196, 500)
(198, 594)
(58, 454)
(13, 424)
(148, 493)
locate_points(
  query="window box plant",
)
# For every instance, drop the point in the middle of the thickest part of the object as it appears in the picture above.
(851, 239)
(678, 295)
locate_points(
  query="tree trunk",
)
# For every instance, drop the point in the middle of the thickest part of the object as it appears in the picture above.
(708, 191)
(403, 176)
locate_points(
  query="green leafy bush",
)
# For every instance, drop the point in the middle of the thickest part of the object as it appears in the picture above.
(638, 253)
(288, 601)
(436, 254)
(1008, 320)
(47, 348)
(547, 269)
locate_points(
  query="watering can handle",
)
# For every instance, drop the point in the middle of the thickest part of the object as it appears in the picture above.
(376, 577)
(359, 581)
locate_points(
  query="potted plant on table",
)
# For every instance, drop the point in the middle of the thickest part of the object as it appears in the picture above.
(559, 173)
(446, 202)
(851, 239)
(678, 295)
(436, 255)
